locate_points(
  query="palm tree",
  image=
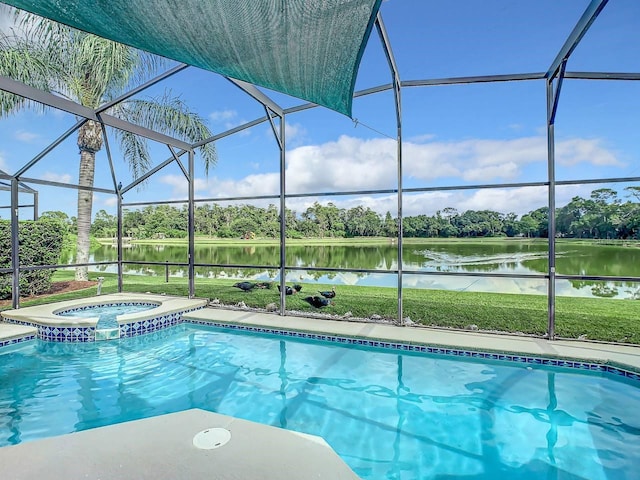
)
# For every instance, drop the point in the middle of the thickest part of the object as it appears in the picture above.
(92, 71)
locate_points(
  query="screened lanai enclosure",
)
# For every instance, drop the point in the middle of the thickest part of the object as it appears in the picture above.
(458, 164)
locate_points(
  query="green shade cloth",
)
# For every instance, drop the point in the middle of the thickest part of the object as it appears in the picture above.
(310, 49)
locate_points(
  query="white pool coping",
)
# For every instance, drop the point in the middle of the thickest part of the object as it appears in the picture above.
(604, 353)
(162, 448)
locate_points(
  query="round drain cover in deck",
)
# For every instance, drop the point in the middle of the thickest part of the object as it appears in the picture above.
(211, 438)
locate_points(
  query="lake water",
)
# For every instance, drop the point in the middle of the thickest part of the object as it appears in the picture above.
(517, 257)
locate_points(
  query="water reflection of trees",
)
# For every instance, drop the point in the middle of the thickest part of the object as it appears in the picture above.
(608, 289)
(598, 260)
(370, 257)
(457, 257)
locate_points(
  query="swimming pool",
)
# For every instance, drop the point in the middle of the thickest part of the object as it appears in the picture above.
(388, 414)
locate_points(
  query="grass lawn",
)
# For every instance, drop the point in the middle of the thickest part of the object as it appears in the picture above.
(590, 318)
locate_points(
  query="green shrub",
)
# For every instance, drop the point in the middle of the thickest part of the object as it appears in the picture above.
(40, 244)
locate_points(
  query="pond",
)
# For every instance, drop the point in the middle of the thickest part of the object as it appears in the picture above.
(508, 256)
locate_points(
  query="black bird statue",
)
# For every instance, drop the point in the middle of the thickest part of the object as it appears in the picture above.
(245, 286)
(329, 294)
(288, 290)
(318, 302)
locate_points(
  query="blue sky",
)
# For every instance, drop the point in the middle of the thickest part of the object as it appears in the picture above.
(453, 135)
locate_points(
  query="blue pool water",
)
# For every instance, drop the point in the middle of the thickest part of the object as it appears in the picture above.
(107, 313)
(389, 415)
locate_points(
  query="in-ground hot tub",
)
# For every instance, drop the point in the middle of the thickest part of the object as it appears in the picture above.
(80, 320)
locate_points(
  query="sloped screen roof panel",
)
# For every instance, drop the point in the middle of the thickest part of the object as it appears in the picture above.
(310, 49)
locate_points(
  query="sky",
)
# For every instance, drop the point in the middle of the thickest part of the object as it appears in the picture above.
(453, 135)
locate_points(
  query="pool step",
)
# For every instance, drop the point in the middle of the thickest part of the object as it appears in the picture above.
(107, 334)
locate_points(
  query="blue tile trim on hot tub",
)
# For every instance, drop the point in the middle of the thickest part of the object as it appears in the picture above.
(59, 334)
(142, 327)
(509, 357)
(67, 334)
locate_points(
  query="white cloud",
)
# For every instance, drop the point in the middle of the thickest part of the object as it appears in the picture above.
(421, 138)
(295, 134)
(251, 185)
(577, 150)
(350, 164)
(57, 177)
(479, 160)
(347, 164)
(508, 200)
(25, 136)
(110, 201)
(223, 115)
(473, 160)
(180, 186)
(229, 119)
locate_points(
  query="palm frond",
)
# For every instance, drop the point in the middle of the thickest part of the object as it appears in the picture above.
(23, 62)
(90, 70)
(135, 151)
(170, 115)
(41, 30)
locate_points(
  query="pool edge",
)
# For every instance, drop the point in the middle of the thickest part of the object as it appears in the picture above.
(603, 358)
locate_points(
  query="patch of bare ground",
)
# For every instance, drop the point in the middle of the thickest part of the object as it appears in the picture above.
(56, 288)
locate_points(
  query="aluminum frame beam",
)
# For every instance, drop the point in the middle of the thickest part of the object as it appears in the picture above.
(142, 87)
(46, 98)
(257, 95)
(586, 20)
(513, 77)
(49, 148)
(397, 97)
(109, 158)
(283, 214)
(120, 228)
(151, 172)
(602, 75)
(15, 259)
(231, 131)
(556, 94)
(551, 225)
(191, 225)
(51, 183)
(22, 187)
(177, 159)
(275, 131)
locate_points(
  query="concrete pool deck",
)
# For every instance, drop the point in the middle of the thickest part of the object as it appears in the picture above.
(162, 448)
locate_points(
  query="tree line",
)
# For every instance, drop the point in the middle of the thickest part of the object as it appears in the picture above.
(604, 215)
